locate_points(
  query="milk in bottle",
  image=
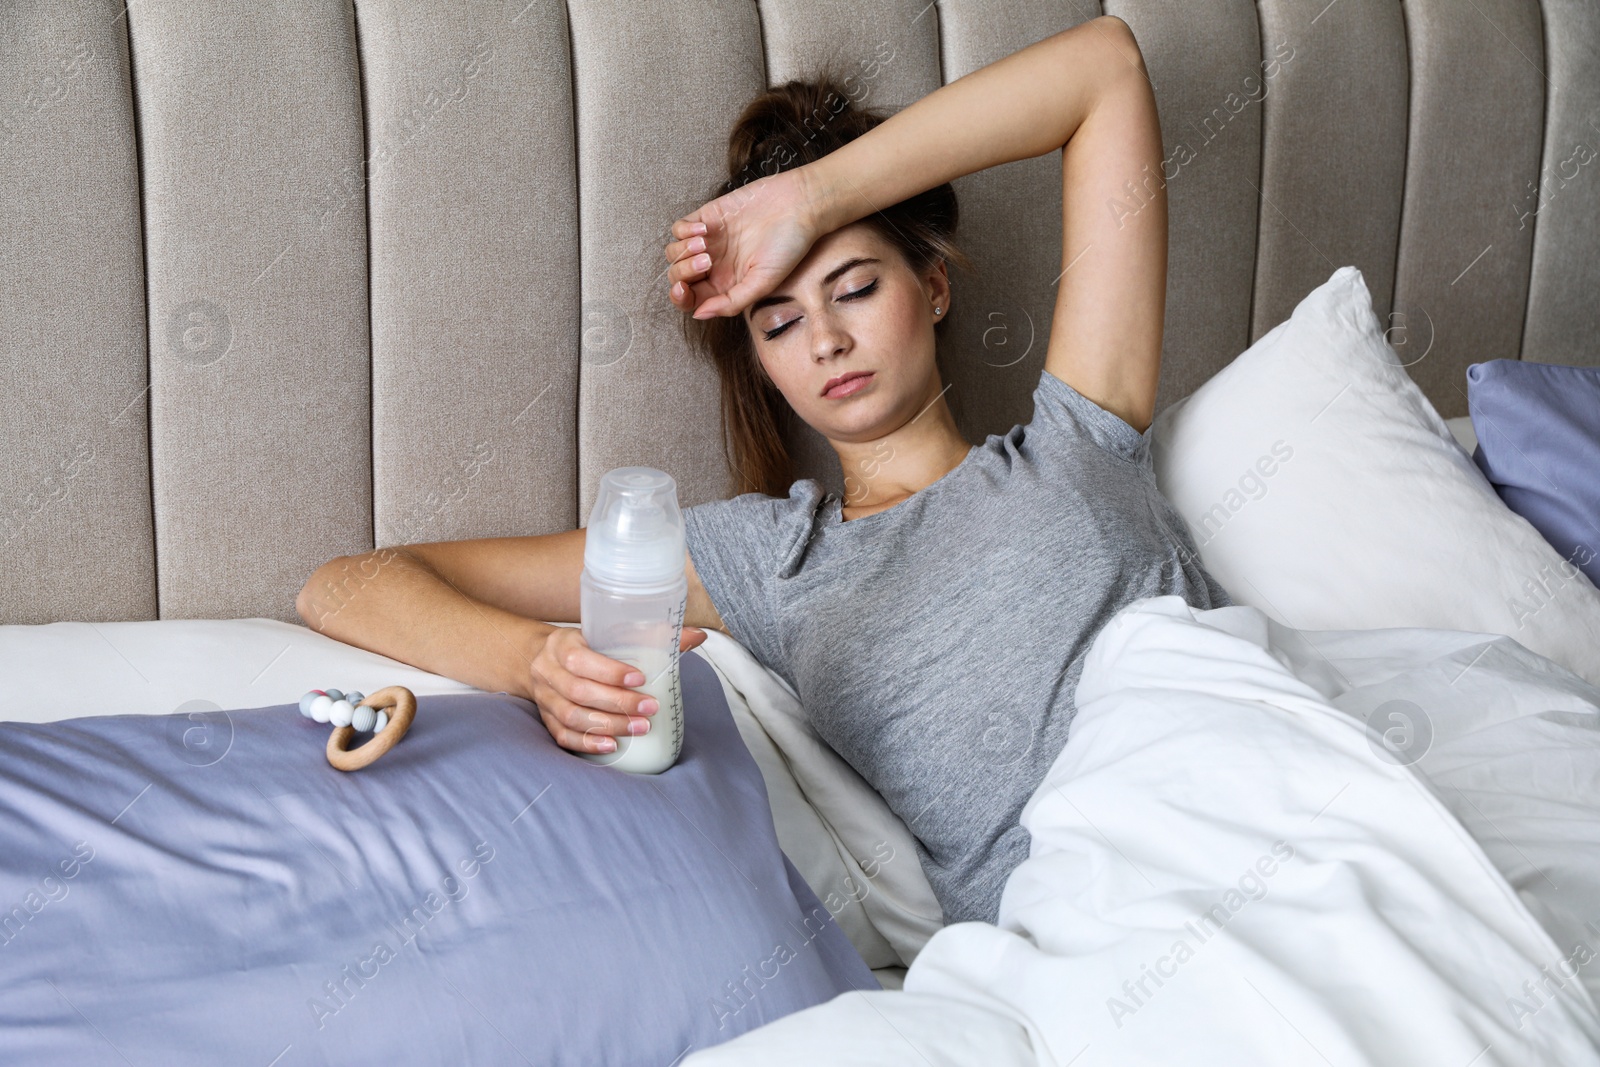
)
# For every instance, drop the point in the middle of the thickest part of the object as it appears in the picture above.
(633, 592)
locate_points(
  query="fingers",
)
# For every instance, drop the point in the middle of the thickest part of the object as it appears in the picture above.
(711, 307)
(570, 704)
(572, 654)
(596, 696)
(690, 267)
(691, 263)
(683, 294)
(692, 293)
(676, 250)
(743, 293)
(583, 697)
(576, 740)
(689, 260)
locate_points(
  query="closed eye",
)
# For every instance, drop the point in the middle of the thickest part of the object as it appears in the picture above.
(866, 290)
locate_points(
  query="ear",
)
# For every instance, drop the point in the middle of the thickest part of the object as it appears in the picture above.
(936, 282)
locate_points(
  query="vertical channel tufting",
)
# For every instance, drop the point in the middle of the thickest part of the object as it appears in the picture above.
(1204, 57)
(657, 88)
(886, 57)
(1333, 155)
(475, 302)
(184, 233)
(256, 249)
(992, 348)
(889, 50)
(1477, 94)
(1563, 319)
(75, 532)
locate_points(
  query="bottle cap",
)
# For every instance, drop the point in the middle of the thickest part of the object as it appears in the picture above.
(635, 532)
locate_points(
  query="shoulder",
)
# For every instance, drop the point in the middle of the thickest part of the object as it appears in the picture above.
(754, 509)
(770, 528)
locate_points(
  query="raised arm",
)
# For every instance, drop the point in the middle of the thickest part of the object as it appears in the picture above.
(1084, 91)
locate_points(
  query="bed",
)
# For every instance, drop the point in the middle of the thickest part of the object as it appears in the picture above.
(266, 301)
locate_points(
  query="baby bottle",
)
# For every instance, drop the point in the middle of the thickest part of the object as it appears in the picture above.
(633, 591)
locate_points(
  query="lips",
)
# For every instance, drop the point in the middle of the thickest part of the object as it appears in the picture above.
(846, 384)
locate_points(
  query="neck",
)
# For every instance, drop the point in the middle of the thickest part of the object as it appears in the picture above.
(882, 472)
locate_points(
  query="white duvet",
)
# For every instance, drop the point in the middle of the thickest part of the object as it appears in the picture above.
(1230, 866)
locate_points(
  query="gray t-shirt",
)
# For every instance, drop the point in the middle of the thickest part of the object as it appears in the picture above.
(936, 645)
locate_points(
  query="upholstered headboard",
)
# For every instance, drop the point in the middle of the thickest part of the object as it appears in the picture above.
(281, 281)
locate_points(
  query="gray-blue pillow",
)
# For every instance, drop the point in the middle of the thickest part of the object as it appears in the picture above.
(204, 889)
(1538, 427)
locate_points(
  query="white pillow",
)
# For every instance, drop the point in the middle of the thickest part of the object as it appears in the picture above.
(1321, 487)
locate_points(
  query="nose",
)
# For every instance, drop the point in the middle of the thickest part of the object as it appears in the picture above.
(829, 338)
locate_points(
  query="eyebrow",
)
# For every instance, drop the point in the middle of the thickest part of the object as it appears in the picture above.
(828, 279)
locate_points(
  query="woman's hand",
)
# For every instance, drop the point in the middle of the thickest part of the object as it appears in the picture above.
(583, 697)
(736, 249)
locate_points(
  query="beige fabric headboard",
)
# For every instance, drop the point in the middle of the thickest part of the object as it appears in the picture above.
(281, 281)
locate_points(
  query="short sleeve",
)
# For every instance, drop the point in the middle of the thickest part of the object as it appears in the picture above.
(739, 547)
(1058, 408)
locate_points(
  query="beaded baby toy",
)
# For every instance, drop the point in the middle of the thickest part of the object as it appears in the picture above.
(352, 712)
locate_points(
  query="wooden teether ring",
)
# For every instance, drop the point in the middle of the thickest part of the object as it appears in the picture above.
(401, 705)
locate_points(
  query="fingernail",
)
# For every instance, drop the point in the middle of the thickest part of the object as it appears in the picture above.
(702, 261)
(633, 678)
(649, 707)
(697, 244)
(638, 726)
(698, 227)
(606, 744)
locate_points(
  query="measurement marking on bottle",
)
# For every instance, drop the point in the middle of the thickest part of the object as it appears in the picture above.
(677, 689)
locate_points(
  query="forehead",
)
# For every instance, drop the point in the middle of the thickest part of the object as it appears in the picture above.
(847, 242)
(855, 241)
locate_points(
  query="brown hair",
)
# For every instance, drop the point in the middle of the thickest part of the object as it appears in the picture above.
(783, 128)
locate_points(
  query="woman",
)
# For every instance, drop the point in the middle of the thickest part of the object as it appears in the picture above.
(935, 622)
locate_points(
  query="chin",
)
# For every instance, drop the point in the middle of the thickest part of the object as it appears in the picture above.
(866, 419)
(858, 428)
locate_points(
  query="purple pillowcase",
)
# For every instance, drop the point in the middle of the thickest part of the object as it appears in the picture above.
(1538, 427)
(203, 888)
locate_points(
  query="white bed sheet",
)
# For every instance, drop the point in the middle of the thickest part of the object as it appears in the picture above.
(61, 670)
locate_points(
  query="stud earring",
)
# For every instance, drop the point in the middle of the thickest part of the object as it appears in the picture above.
(938, 310)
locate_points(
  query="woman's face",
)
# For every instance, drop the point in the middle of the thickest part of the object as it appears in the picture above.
(853, 304)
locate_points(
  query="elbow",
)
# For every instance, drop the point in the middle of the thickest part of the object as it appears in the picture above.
(1120, 35)
(302, 602)
(1118, 30)
(341, 581)
(307, 604)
